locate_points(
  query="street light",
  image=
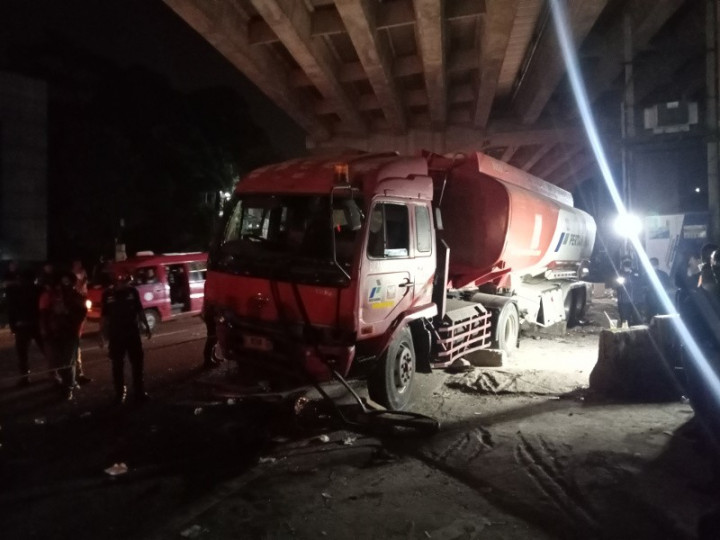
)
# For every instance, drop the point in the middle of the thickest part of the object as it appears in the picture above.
(628, 225)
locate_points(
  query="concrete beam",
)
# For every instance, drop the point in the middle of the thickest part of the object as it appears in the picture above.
(537, 156)
(453, 139)
(393, 13)
(546, 168)
(463, 9)
(429, 31)
(577, 172)
(509, 153)
(546, 66)
(225, 28)
(496, 28)
(291, 22)
(358, 18)
(260, 33)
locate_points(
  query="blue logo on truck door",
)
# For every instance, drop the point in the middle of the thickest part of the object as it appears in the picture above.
(375, 293)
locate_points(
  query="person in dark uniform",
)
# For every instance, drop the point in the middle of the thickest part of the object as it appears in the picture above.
(24, 319)
(122, 312)
(629, 291)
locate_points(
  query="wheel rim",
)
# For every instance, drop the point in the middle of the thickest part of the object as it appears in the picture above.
(403, 369)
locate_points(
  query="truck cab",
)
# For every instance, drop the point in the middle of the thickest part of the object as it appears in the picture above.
(318, 268)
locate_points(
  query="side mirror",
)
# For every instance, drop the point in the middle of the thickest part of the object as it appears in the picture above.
(354, 216)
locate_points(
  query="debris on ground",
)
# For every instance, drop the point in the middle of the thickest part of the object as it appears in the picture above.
(326, 495)
(231, 401)
(460, 528)
(264, 460)
(198, 410)
(322, 439)
(40, 421)
(459, 366)
(117, 469)
(349, 441)
(193, 532)
(510, 381)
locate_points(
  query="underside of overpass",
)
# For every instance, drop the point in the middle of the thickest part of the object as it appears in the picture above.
(455, 75)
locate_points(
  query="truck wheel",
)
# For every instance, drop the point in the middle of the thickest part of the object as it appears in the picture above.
(575, 304)
(579, 303)
(153, 318)
(507, 329)
(391, 383)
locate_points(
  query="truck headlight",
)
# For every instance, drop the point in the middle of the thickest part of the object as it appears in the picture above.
(88, 304)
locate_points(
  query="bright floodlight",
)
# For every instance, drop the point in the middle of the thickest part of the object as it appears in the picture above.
(628, 225)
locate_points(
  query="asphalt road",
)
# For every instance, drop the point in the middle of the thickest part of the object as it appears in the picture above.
(515, 466)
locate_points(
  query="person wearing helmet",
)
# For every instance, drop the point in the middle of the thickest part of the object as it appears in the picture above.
(122, 313)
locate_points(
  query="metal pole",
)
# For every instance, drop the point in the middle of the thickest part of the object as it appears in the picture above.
(711, 40)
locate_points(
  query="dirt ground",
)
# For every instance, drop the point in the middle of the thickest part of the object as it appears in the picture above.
(524, 451)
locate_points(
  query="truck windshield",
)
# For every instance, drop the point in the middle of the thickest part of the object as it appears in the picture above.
(296, 238)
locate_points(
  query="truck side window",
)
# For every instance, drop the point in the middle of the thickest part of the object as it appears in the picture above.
(422, 229)
(389, 231)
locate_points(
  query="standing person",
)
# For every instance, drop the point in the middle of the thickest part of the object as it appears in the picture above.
(706, 279)
(628, 290)
(62, 311)
(24, 320)
(81, 286)
(121, 313)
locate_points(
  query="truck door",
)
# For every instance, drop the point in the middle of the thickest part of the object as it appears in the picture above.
(387, 287)
(196, 272)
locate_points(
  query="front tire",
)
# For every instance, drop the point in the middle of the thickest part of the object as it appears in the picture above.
(391, 383)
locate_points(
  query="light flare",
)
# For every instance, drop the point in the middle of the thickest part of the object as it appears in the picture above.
(559, 16)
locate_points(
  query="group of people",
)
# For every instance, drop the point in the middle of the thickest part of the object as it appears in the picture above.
(50, 309)
(637, 299)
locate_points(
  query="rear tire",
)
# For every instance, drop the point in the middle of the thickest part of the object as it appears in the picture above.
(575, 304)
(580, 301)
(391, 382)
(507, 329)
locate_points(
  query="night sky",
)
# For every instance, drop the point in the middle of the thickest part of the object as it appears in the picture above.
(146, 33)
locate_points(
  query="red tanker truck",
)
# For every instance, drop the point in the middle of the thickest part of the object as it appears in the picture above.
(380, 266)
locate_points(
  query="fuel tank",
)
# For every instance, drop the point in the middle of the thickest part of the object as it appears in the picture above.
(499, 220)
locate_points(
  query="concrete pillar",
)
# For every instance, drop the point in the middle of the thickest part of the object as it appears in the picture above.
(23, 168)
(711, 39)
(628, 111)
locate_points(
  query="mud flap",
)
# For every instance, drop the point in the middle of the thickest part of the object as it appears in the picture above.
(422, 343)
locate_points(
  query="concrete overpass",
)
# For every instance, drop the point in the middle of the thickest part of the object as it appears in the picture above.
(452, 75)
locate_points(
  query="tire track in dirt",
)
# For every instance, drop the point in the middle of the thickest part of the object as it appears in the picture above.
(541, 463)
(469, 446)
